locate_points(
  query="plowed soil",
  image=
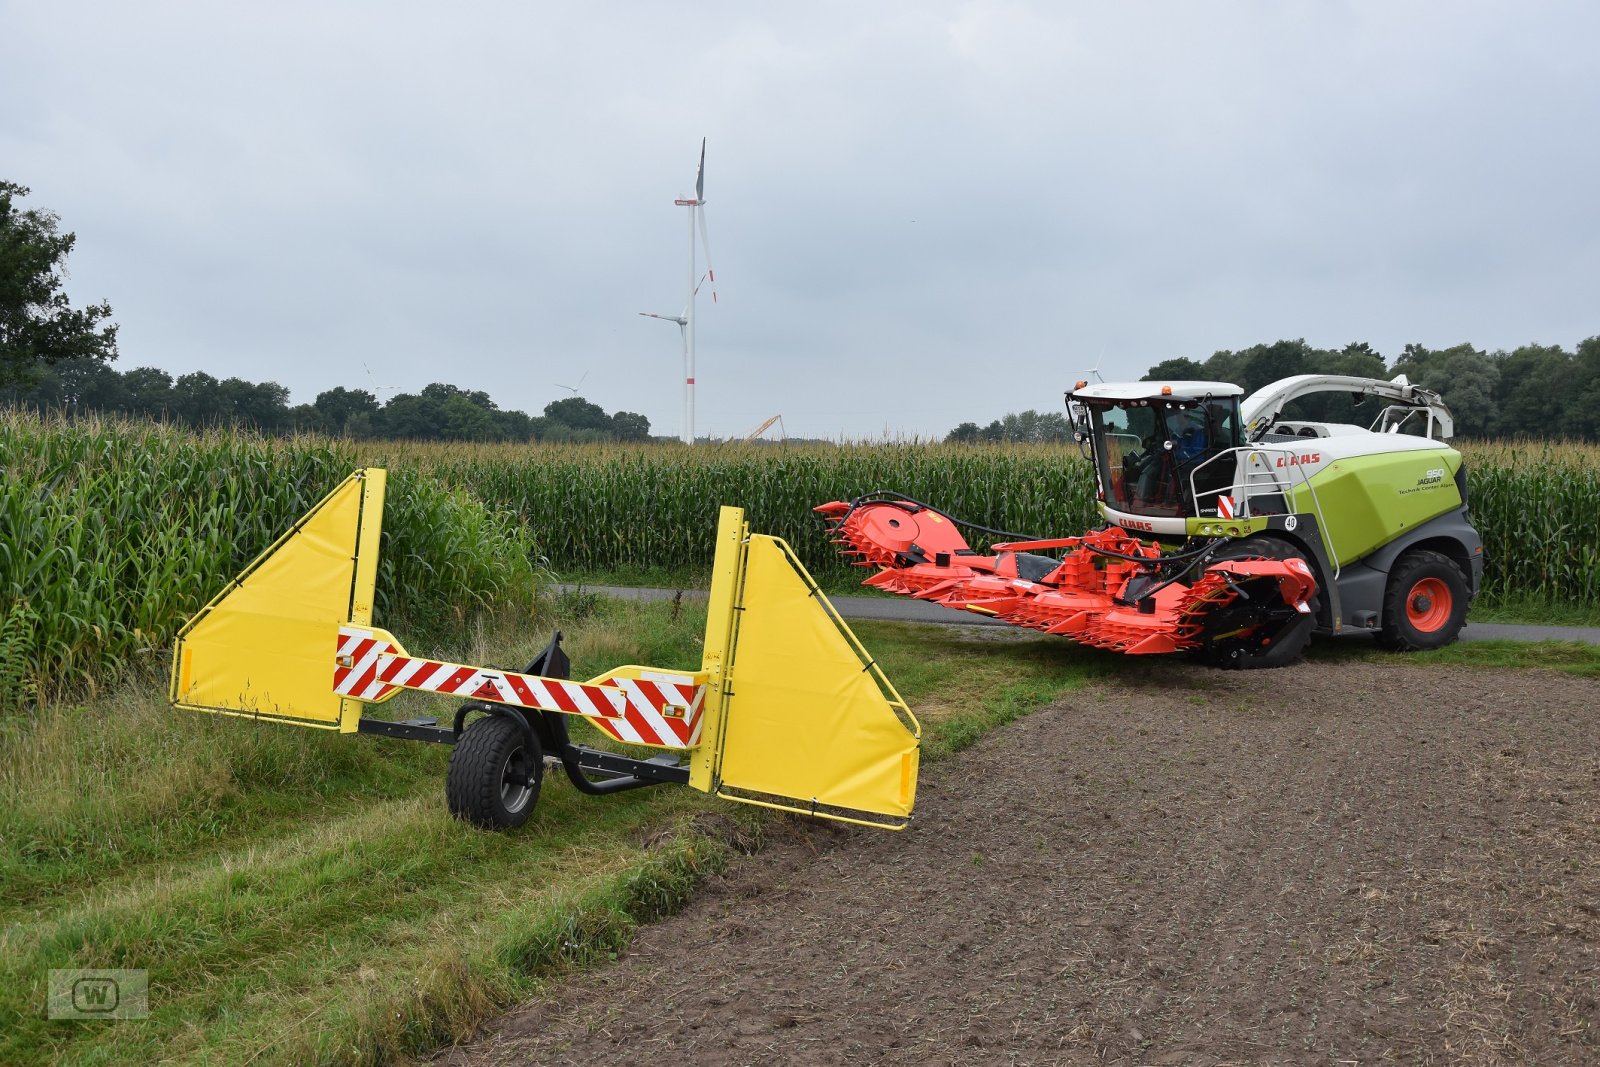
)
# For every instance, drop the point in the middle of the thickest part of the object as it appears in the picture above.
(1329, 863)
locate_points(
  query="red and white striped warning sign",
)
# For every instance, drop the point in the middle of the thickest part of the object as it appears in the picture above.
(659, 709)
(1224, 507)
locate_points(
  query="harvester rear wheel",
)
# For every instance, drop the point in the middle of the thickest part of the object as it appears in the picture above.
(1425, 604)
(495, 773)
(1238, 635)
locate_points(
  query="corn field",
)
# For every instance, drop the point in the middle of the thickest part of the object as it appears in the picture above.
(594, 508)
(112, 533)
(1537, 507)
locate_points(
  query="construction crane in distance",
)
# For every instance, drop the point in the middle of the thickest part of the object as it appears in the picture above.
(765, 426)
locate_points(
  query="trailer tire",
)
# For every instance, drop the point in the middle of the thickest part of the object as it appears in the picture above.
(495, 773)
(1424, 604)
(1291, 643)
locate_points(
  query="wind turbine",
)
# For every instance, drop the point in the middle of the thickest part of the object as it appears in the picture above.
(573, 389)
(377, 390)
(697, 221)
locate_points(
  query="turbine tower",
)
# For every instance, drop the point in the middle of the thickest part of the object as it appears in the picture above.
(697, 222)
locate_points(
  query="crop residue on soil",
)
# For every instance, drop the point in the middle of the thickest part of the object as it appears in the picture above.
(1325, 863)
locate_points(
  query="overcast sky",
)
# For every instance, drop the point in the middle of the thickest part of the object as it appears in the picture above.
(920, 213)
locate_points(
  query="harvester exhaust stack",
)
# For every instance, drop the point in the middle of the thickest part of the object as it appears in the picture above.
(787, 710)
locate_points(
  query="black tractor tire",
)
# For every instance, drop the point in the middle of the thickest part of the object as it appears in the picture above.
(495, 773)
(1290, 645)
(1424, 604)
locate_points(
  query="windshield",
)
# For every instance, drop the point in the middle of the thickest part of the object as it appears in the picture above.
(1151, 447)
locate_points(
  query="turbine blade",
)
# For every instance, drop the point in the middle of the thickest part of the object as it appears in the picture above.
(700, 173)
(705, 243)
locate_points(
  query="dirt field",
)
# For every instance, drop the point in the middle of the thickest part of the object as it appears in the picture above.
(1330, 863)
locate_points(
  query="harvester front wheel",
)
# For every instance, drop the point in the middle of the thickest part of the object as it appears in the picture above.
(1425, 604)
(1253, 634)
(495, 773)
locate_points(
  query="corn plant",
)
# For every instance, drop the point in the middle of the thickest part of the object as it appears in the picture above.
(115, 532)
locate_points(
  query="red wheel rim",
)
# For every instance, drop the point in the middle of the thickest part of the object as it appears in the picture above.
(1428, 605)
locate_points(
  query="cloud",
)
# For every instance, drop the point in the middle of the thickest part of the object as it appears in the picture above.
(921, 213)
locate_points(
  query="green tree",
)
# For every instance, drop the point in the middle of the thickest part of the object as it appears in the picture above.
(578, 414)
(463, 420)
(262, 405)
(1265, 364)
(1538, 387)
(410, 417)
(630, 426)
(197, 399)
(441, 412)
(513, 426)
(306, 418)
(71, 386)
(442, 391)
(338, 404)
(965, 434)
(1582, 417)
(1360, 360)
(1356, 360)
(38, 325)
(148, 391)
(1176, 370)
(1467, 379)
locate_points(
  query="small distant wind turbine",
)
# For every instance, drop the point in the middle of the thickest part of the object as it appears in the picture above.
(697, 221)
(377, 390)
(573, 389)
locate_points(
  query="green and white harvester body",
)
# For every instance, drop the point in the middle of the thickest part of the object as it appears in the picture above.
(1232, 532)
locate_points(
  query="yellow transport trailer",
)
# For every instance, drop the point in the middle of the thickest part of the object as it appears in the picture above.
(787, 709)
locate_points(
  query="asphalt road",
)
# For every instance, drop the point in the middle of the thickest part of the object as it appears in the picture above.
(903, 609)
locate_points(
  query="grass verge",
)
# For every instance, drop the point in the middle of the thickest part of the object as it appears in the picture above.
(301, 897)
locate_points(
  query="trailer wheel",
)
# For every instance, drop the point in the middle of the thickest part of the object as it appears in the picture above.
(495, 773)
(1243, 648)
(1425, 604)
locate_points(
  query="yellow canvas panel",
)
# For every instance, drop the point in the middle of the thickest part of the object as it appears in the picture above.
(796, 715)
(727, 571)
(810, 723)
(265, 646)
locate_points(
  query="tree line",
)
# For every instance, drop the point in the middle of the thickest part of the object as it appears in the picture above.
(55, 356)
(1532, 391)
(440, 412)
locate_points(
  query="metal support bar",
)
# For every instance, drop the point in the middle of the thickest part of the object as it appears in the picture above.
(409, 730)
(655, 770)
